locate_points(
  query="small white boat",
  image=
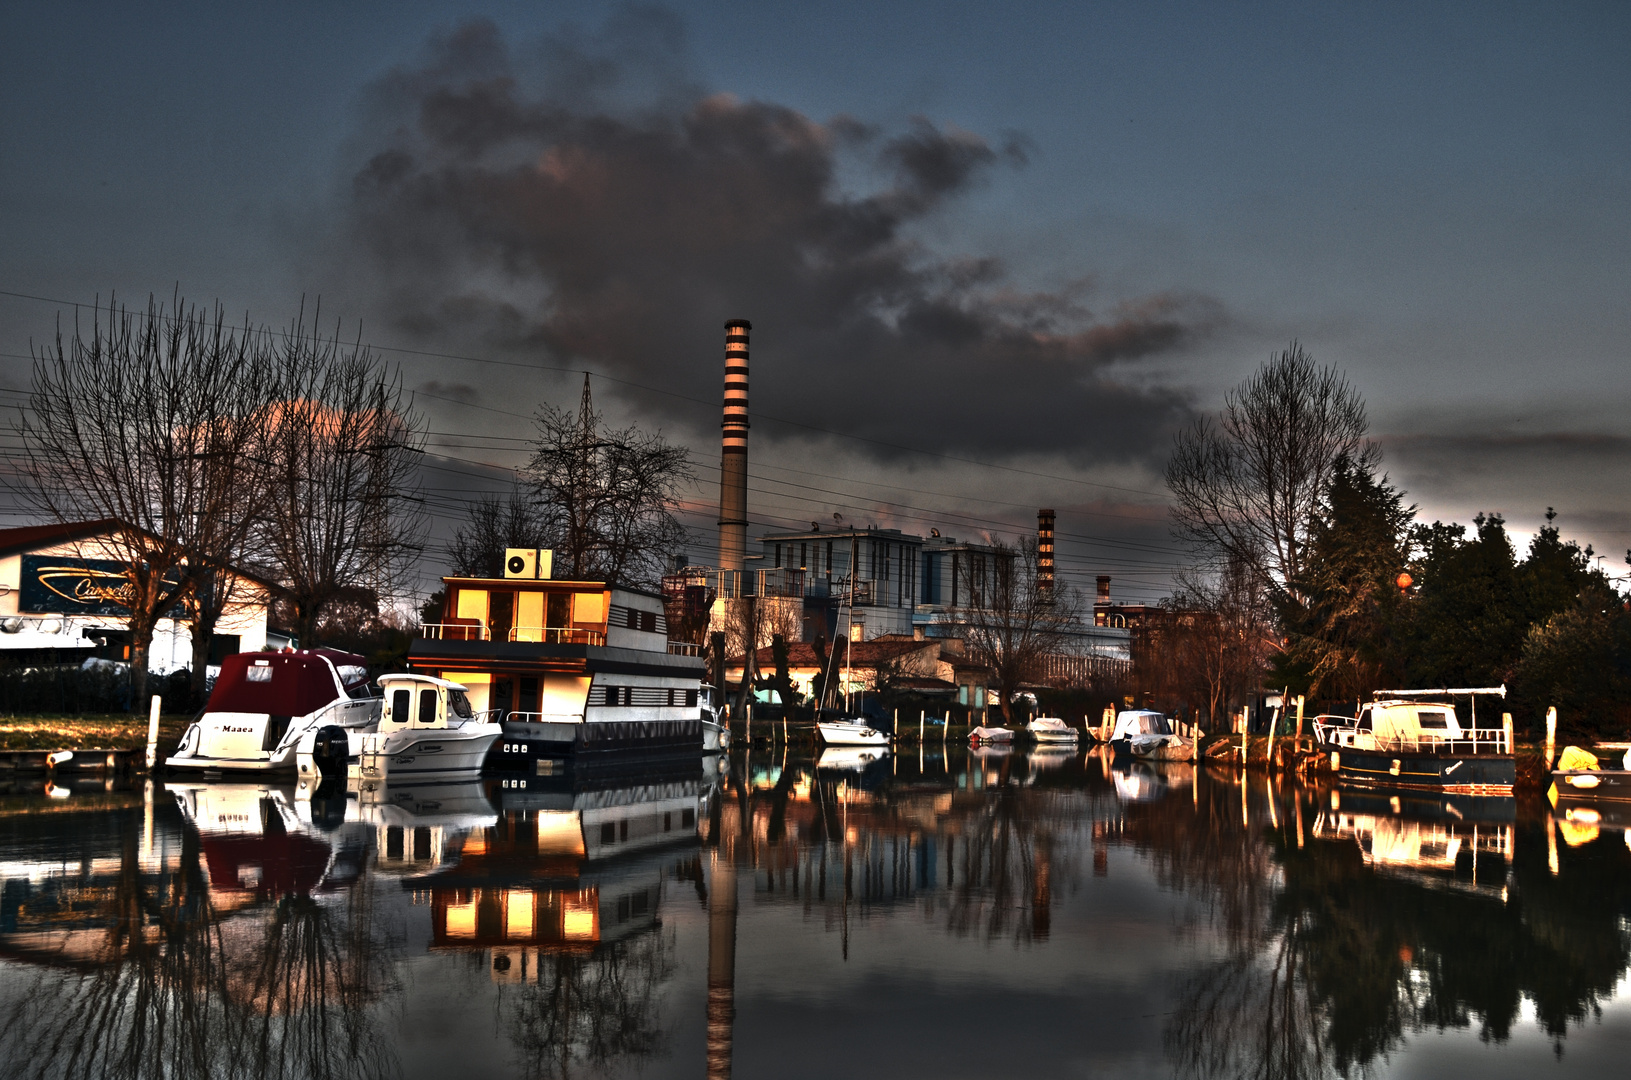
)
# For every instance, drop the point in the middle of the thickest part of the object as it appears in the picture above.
(716, 733)
(1161, 747)
(990, 735)
(427, 730)
(851, 732)
(1051, 729)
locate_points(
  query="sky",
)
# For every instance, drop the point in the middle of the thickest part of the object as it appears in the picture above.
(995, 256)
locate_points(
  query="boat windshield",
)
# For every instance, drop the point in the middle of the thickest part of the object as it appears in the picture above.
(459, 702)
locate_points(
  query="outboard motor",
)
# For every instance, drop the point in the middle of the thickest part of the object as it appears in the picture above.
(329, 752)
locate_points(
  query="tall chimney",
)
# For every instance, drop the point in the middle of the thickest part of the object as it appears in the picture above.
(1104, 589)
(1044, 550)
(733, 459)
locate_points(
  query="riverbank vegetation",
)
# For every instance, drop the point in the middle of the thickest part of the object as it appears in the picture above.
(1341, 589)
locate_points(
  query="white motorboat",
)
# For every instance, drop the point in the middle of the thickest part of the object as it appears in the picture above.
(1051, 729)
(990, 735)
(1161, 747)
(851, 732)
(426, 730)
(716, 732)
(266, 710)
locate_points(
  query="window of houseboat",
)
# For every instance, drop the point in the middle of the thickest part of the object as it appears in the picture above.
(1433, 719)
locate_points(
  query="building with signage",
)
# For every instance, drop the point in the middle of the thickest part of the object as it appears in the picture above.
(60, 592)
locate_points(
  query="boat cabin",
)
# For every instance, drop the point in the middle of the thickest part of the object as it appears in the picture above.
(421, 701)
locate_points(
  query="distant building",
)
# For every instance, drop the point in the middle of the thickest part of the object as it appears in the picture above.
(60, 588)
(862, 583)
(1119, 616)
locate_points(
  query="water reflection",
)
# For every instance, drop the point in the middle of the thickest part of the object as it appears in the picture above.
(1276, 929)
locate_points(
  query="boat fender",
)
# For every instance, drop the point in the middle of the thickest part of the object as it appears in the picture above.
(1583, 781)
(1393, 770)
(1336, 761)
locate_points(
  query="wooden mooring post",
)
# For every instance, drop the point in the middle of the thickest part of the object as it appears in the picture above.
(1551, 735)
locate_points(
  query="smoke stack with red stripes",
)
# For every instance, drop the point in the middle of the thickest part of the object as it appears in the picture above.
(1044, 550)
(733, 458)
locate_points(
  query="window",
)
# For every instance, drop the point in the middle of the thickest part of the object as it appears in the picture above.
(829, 558)
(459, 702)
(690, 699)
(1433, 719)
(427, 705)
(608, 833)
(421, 843)
(259, 674)
(804, 554)
(648, 621)
(401, 706)
(688, 819)
(631, 618)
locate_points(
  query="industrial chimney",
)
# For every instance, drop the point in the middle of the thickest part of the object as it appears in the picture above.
(733, 461)
(1044, 550)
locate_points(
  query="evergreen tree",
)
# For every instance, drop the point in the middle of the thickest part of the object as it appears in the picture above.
(1343, 641)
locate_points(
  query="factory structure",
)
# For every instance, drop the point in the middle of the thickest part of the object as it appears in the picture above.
(838, 582)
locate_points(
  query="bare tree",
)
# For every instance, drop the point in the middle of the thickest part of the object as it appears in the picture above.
(494, 524)
(1247, 486)
(341, 513)
(1208, 646)
(1012, 623)
(149, 422)
(607, 498)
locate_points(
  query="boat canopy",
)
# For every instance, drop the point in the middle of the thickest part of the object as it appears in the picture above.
(276, 684)
(1140, 722)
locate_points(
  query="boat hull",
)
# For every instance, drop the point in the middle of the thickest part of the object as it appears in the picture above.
(852, 735)
(527, 744)
(990, 735)
(1467, 774)
(426, 754)
(1576, 785)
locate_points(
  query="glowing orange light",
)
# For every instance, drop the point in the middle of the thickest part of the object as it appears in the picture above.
(1404, 581)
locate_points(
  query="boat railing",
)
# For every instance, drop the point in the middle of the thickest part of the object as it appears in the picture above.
(684, 648)
(453, 631)
(543, 718)
(1473, 741)
(557, 635)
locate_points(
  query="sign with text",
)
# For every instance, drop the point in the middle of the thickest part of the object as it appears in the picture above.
(70, 586)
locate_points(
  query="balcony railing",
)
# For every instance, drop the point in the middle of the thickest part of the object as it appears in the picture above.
(684, 648)
(543, 718)
(557, 635)
(453, 631)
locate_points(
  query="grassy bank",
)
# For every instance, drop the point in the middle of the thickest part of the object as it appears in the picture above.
(88, 731)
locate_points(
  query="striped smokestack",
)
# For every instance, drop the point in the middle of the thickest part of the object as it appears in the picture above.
(733, 459)
(1044, 550)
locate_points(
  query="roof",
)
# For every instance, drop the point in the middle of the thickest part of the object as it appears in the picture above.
(855, 654)
(37, 536)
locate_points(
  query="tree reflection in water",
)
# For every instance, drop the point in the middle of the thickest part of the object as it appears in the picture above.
(587, 1010)
(1330, 963)
(178, 987)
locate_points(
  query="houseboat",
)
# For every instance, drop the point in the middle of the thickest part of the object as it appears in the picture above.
(1409, 740)
(578, 673)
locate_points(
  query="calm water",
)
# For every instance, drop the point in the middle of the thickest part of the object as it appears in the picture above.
(944, 915)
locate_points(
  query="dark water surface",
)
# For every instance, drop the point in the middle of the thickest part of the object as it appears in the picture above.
(943, 915)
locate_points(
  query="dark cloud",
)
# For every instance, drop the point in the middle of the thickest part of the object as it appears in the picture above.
(588, 204)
